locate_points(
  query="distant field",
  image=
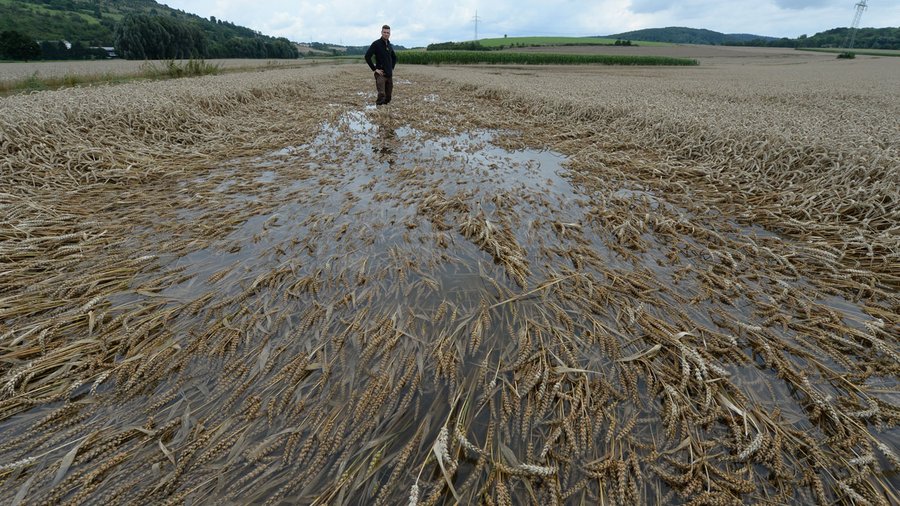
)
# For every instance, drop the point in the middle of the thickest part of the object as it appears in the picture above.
(558, 41)
(869, 52)
(513, 56)
(705, 54)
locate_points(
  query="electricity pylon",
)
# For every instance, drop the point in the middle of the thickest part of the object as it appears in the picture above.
(851, 37)
(475, 19)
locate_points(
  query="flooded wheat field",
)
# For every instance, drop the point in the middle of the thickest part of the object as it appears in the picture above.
(260, 289)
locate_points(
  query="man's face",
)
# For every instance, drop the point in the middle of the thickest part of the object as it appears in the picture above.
(385, 33)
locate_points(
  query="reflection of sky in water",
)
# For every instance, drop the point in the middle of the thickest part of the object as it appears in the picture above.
(366, 190)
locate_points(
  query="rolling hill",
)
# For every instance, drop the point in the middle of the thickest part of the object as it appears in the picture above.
(138, 29)
(866, 38)
(684, 35)
(94, 22)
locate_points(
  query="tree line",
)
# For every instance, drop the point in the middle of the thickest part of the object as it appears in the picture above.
(866, 38)
(147, 36)
(16, 46)
(143, 36)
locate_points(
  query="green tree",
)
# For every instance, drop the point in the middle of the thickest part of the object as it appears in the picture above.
(54, 50)
(158, 37)
(78, 51)
(18, 46)
(281, 48)
(130, 38)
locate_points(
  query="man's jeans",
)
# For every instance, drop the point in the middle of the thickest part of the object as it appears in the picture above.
(385, 86)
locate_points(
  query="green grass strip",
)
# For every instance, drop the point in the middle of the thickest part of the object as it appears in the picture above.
(476, 57)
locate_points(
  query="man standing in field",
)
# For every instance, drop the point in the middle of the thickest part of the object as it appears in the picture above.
(385, 61)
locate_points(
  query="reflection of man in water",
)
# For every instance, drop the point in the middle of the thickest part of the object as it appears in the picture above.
(385, 141)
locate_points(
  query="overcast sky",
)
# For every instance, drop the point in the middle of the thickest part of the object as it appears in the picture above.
(421, 22)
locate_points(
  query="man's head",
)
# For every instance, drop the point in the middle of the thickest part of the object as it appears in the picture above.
(385, 32)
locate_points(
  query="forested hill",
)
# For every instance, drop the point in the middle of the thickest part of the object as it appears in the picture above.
(866, 38)
(684, 35)
(100, 23)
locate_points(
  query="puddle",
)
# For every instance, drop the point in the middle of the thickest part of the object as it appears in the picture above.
(366, 198)
(266, 177)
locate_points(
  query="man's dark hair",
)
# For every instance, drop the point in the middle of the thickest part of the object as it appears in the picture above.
(385, 27)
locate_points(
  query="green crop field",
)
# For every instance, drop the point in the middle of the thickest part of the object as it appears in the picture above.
(557, 41)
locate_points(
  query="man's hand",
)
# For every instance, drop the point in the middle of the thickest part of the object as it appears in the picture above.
(379, 72)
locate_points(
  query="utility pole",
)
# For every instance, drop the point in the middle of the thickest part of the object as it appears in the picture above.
(475, 19)
(851, 37)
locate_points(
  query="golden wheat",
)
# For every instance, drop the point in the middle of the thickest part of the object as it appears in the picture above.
(255, 287)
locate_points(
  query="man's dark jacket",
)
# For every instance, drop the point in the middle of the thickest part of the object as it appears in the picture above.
(385, 57)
